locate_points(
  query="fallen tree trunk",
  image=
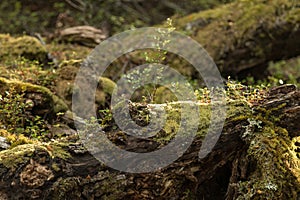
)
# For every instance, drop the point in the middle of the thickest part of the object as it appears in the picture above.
(84, 35)
(256, 157)
(244, 36)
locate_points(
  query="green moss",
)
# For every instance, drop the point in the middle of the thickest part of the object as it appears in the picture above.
(272, 178)
(14, 139)
(106, 85)
(68, 54)
(240, 16)
(57, 104)
(65, 85)
(12, 158)
(293, 157)
(276, 171)
(236, 110)
(56, 149)
(55, 167)
(242, 24)
(25, 46)
(163, 95)
(68, 69)
(28, 71)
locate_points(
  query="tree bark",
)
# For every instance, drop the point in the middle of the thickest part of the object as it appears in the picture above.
(256, 157)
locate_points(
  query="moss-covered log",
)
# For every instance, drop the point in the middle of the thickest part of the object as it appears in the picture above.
(65, 85)
(26, 46)
(243, 36)
(44, 101)
(256, 157)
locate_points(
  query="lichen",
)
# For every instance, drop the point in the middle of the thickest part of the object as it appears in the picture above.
(273, 152)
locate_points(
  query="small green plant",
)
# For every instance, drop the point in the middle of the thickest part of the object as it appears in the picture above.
(251, 94)
(16, 118)
(105, 118)
(28, 71)
(202, 95)
(234, 90)
(157, 55)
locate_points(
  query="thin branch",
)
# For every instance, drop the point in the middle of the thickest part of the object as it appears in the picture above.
(79, 5)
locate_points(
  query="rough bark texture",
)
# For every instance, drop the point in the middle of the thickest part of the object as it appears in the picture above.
(256, 157)
(85, 35)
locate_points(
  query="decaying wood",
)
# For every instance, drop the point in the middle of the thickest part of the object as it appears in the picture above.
(244, 36)
(85, 35)
(218, 176)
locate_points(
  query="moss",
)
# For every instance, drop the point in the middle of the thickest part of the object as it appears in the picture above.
(240, 17)
(163, 95)
(245, 25)
(285, 70)
(20, 154)
(293, 157)
(55, 167)
(56, 150)
(28, 71)
(68, 69)
(65, 86)
(67, 54)
(25, 46)
(14, 139)
(106, 85)
(276, 172)
(272, 177)
(236, 110)
(63, 185)
(269, 148)
(22, 149)
(57, 104)
(12, 158)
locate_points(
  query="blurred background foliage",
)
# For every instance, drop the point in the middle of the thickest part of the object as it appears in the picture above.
(22, 16)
